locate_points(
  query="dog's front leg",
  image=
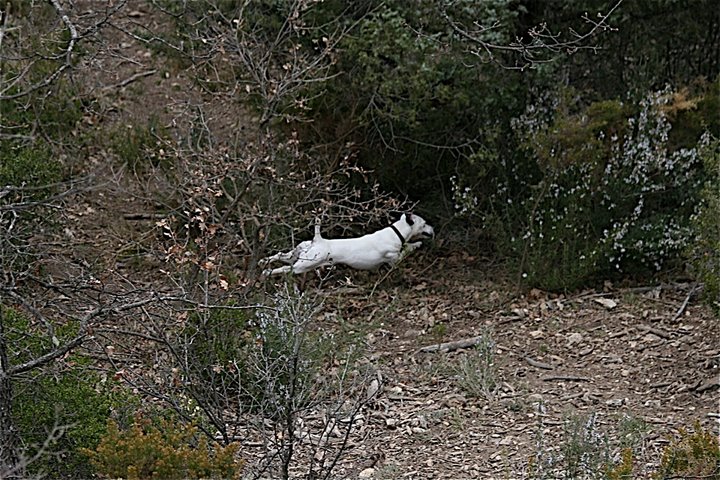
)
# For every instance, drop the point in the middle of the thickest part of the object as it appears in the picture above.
(406, 250)
(412, 246)
(277, 271)
(285, 257)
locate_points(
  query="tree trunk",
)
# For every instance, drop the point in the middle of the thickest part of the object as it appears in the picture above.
(9, 461)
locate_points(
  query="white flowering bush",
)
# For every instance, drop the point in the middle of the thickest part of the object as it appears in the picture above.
(597, 190)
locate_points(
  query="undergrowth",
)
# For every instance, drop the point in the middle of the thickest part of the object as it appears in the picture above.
(166, 450)
(602, 190)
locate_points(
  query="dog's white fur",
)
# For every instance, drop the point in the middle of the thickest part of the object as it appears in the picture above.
(363, 253)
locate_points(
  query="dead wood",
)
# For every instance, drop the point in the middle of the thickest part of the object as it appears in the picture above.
(567, 378)
(131, 79)
(708, 384)
(450, 346)
(684, 305)
(538, 364)
(655, 331)
(143, 216)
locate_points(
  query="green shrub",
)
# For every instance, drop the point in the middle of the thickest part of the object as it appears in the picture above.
(585, 448)
(692, 455)
(246, 356)
(28, 166)
(43, 114)
(166, 450)
(73, 400)
(705, 249)
(408, 100)
(586, 451)
(597, 192)
(217, 348)
(476, 371)
(140, 147)
(622, 470)
(63, 394)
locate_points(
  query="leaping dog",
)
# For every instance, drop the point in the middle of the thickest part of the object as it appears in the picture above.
(386, 246)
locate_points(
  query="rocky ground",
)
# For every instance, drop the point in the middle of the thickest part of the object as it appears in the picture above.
(594, 371)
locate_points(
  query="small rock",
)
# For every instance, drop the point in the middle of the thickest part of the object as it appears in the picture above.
(412, 333)
(606, 302)
(372, 389)
(574, 338)
(507, 440)
(536, 334)
(586, 351)
(367, 473)
(535, 397)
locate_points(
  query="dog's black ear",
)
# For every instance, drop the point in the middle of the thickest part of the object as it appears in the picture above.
(409, 218)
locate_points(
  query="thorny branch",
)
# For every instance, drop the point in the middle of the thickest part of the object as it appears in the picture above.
(542, 39)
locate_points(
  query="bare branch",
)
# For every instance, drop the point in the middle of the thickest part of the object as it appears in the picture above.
(542, 39)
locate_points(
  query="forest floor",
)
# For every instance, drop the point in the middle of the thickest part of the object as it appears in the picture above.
(585, 373)
(551, 376)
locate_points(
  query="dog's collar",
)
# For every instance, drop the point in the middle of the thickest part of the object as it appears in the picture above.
(397, 232)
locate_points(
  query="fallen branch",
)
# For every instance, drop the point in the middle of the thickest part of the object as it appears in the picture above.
(656, 331)
(144, 216)
(639, 290)
(661, 385)
(131, 79)
(513, 318)
(566, 378)
(450, 346)
(708, 384)
(684, 305)
(538, 364)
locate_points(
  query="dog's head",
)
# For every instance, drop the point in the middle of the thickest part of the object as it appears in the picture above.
(419, 228)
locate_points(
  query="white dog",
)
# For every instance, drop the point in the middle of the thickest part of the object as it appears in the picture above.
(363, 253)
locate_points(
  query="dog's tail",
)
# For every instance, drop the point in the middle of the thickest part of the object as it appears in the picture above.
(317, 229)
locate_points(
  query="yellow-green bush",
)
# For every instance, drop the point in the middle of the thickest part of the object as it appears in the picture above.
(165, 450)
(624, 468)
(692, 455)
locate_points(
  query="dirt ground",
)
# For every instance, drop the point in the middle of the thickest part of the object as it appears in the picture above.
(627, 366)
